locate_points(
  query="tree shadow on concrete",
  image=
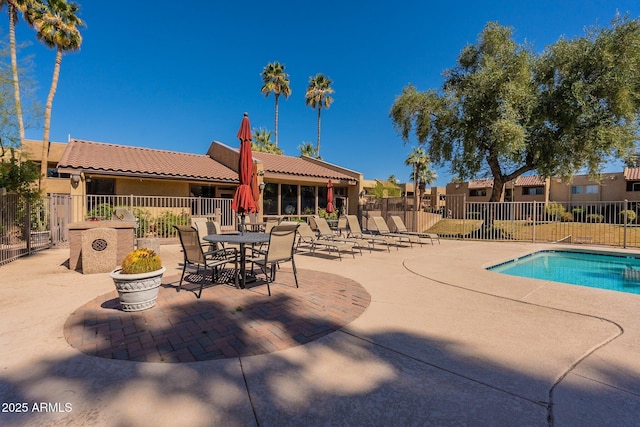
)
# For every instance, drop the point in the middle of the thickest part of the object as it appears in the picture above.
(340, 378)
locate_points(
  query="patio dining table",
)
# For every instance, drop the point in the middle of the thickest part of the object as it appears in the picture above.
(241, 239)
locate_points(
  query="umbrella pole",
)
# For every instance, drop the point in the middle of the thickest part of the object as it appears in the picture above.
(242, 222)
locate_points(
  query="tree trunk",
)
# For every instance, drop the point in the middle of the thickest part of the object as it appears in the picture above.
(276, 118)
(47, 116)
(14, 68)
(318, 144)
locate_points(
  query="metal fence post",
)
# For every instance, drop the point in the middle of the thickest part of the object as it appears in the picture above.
(464, 214)
(533, 232)
(624, 234)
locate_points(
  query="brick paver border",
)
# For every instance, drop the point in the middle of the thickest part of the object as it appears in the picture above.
(224, 323)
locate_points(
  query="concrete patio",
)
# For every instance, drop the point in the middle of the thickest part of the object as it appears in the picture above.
(441, 342)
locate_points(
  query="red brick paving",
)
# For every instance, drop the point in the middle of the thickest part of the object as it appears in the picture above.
(224, 323)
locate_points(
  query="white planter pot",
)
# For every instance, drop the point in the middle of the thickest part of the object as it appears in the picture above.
(137, 291)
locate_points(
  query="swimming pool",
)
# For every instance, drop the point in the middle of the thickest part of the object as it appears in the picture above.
(617, 272)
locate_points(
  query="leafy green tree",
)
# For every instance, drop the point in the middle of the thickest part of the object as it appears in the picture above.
(17, 174)
(56, 23)
(392, 179)
(504, 111)
(307, 149)
(261, 141)
(275, 81)
(318, 96)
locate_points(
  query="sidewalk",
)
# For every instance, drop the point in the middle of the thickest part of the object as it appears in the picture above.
(442, 342)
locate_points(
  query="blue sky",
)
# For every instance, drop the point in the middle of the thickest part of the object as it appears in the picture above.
(160, 75)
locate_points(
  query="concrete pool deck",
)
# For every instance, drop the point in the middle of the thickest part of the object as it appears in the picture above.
(442, 342)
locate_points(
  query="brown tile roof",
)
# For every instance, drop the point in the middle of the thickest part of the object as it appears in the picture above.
(481, 183)
(297, 166)
(632, 174)
(137, 161)
(530, 181)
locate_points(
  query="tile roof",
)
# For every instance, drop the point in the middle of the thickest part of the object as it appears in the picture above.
(530, 181)
(298, 166)
(632, 174)
(111, 159)
(481, 183)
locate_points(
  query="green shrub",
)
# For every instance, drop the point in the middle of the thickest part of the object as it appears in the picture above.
(567, 217)
(631, 216)
(166, 221)
(141, 261)
(597, 218)
(322, 213)
(101, 211)
(554, 211)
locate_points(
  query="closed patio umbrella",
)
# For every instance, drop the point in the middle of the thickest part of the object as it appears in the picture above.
(254, 186)
(243, 202)
(330, 207)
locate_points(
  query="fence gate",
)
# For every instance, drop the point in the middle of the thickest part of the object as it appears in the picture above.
(60, 208)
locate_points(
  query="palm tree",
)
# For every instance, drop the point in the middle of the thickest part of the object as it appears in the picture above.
(307, 149)
(318, 96)
(418, 160)
(275, 80)
(261, 141)
(13, 7)
(56, 23)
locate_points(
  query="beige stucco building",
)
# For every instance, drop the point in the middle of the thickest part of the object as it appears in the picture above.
(290, 185)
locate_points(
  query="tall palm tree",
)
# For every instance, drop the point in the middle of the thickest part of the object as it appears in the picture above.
(56, 23)
(318, 96)
(13, 7)
(418, 160)
(275, 80)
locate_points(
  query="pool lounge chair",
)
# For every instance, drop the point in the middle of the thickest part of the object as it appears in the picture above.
(399, 227)
(326, 233)
(382, 229)
(307, 237)
(354, 230)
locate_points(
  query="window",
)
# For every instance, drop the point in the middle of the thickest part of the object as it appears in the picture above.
(308, 199)
(102, 186)
(633, 186)
(533, 190)
(478, 192)
(576, 189)
(202, 191)
(289, 199)
(591, 189)
(270, 199)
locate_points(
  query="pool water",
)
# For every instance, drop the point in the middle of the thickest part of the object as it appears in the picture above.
(614, 272)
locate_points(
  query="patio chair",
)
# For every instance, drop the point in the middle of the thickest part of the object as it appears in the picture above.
(325, 232)
(399, 227)
(306, 236)
(204, 227)
(383, 230)
(196, 256)
(282, 238)
(354, 230)
(342, 225)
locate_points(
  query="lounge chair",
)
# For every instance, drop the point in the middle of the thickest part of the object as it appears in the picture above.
(383, 230)
(326, 233)
(399, 227)
(282, 239)
(195, 255)
(307, 237)
(355, 231)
